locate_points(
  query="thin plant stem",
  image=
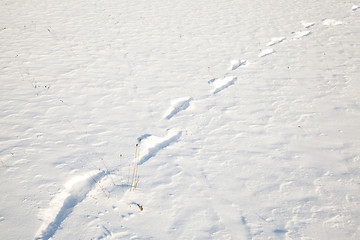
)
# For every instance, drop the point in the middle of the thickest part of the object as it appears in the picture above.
(101, 187)
(108, 171)
(121, 176)
(133, 175)
(137, 164)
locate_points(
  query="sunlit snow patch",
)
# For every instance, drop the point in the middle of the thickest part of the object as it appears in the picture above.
(151, 145)
(331, 22)
(222, 83)
(178, 105)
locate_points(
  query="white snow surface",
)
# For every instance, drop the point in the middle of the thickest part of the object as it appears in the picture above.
(268, 148)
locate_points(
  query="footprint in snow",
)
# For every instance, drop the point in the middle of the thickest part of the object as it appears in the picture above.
(299, 35)
(331, 22)
(63, 203)
(266, 52)
(178, 105)
(151, 145)
(236, 63)
(355, 7)
(307, 24)
(222, 83)
(275, 41)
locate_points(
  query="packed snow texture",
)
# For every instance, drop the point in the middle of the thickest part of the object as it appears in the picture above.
(235, 119)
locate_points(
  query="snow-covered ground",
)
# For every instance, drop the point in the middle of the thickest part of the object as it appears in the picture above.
(162, 119)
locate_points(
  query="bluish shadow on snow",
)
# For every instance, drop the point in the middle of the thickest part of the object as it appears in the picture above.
(280, 231)
(143, 137)
(211, 80)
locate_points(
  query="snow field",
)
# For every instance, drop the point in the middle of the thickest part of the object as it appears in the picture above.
(265, 149)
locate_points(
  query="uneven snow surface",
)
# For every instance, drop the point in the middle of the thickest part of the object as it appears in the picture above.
(160, 119)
